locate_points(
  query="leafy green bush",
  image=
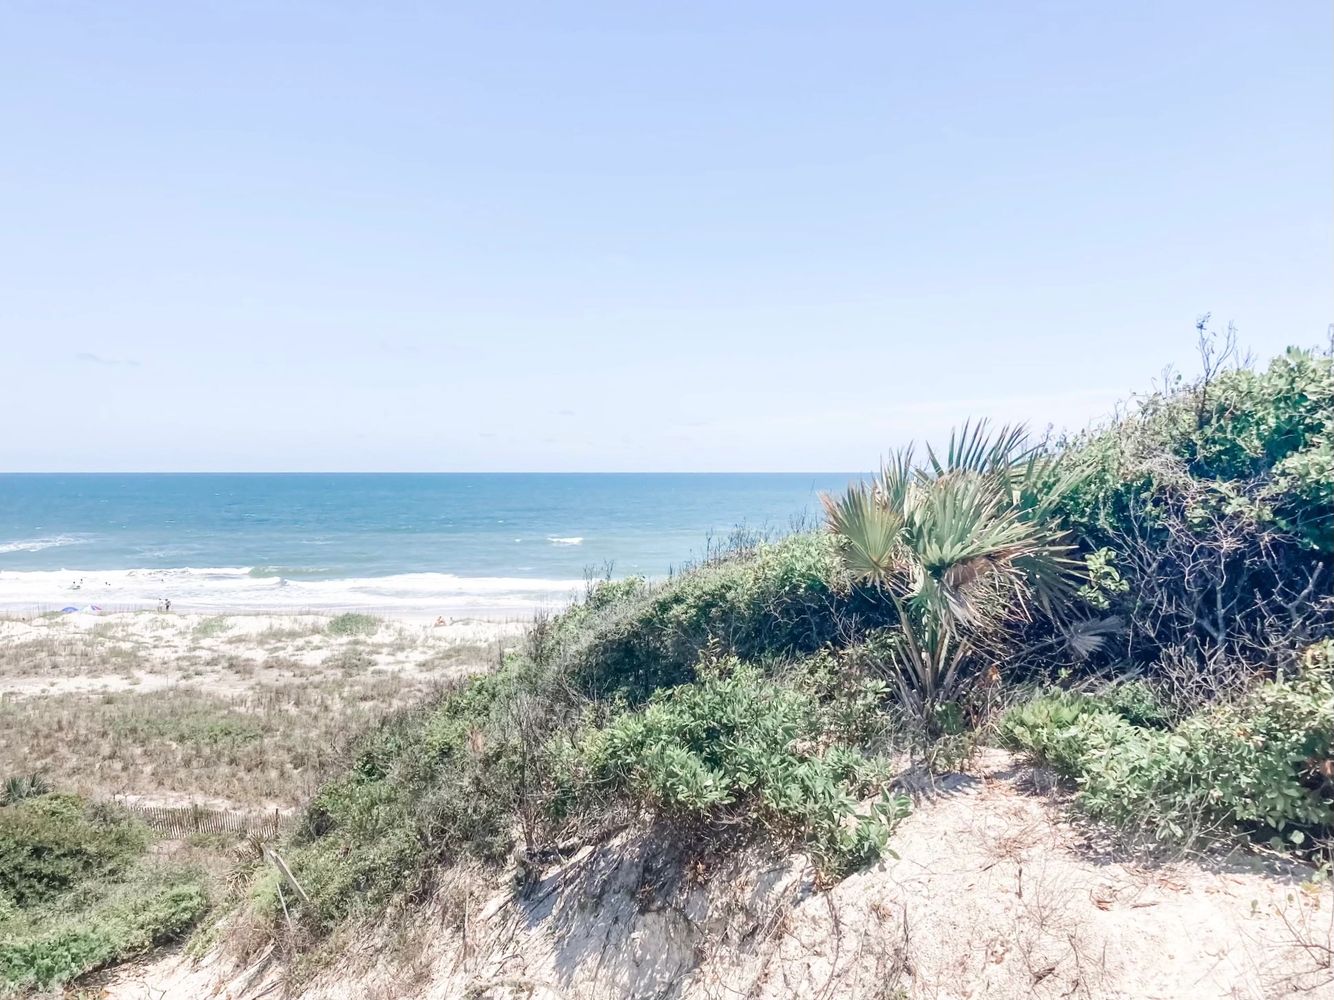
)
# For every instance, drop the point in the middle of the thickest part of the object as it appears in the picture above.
(1260, 765)
(1240, 425)
(77, 891)
(127, 921)
(1050, 728)
(352, 623)
(783, 600)
(1253, 765)
(1045, 728)
(1136, 701)
(52, 843)
(734, 744)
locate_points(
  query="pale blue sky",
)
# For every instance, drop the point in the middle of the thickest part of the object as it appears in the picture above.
(625, 236)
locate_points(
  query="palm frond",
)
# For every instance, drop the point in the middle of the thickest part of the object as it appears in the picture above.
(898, 476)
(963, 546)
(974, 448)
(868, 530)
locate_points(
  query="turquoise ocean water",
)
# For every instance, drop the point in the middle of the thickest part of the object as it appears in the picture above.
(456, 542)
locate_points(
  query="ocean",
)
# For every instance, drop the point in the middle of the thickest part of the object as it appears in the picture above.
(449, 544)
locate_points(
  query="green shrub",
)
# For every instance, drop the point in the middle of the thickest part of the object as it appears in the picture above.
(127, 921)
(1259, 766)
(1045, 728)
(734, 744)
(78, 891)
(782, 600)
(352, 623)
(1303, 491)
(1136, 701)
(1252, 765)
(1242, 425)
(53, 843)
(1105, 582)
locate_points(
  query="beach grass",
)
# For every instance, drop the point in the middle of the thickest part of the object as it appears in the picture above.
(253, 720)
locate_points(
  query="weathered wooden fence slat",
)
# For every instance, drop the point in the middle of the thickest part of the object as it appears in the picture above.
(181, 821)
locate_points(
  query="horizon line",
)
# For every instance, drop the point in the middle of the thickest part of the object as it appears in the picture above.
(427, 472)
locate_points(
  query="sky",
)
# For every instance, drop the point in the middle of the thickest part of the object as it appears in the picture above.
(631, 237)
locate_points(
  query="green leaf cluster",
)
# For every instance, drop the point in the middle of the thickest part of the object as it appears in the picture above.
(78, 891)
(1263, 438)
(1260, 765)
(737, 748)
(52, 843)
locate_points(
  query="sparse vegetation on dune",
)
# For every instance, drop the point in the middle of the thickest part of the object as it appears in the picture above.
(256, 733)
(271, 747)
(352, 623)
(240, 727)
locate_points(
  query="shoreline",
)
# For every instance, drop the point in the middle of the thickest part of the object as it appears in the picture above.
(28, 614)
(405, 597)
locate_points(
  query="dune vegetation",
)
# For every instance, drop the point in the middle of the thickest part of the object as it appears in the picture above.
(1144, 609)
(79, 889)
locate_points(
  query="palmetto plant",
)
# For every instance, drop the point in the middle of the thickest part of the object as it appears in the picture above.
(961, 544)
(23, 786)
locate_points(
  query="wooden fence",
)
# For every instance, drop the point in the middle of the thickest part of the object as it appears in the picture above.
(181, 821)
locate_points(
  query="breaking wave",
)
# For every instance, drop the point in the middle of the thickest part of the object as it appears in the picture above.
(38, 544)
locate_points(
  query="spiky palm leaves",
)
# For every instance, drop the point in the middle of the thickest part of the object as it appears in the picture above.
(960, 545)
(23, 786)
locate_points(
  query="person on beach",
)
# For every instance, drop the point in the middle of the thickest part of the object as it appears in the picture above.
(166, 605)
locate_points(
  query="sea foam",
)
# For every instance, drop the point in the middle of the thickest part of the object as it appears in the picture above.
(38, 544)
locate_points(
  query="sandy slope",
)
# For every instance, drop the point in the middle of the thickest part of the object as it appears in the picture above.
(993, 894)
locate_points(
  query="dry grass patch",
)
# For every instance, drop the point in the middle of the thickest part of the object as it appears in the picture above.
(271, 746)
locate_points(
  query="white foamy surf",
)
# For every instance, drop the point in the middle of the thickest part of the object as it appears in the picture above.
(238, 589)
(38, 544)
